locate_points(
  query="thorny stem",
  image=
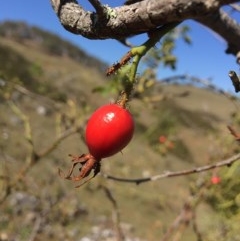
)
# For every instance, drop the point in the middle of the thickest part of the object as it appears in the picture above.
(137, 53)
(235, 80)
(141, 50)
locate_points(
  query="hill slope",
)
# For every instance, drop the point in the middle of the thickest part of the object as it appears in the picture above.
(48, 42)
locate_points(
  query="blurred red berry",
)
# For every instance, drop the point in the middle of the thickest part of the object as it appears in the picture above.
(215, 179)
(162, 139)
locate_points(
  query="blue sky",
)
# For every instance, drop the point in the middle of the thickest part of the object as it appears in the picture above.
(205, 58)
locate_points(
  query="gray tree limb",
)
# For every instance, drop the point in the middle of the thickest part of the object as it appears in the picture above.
(227, 28)
(122, 22)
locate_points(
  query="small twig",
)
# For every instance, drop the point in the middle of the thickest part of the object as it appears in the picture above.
(35, 230)
(181, 222)
(43, 217)
(187, 215)
(100, 9)
(115, 67)
(195, 227)
(119, 232)
(47, 101)
(235, 80)
(235, 6)
(126, 43)
(173, 226)
(25, 119)
(103, 13)
(33, 156)
(234, 133)
(227, 162)
(59, 140)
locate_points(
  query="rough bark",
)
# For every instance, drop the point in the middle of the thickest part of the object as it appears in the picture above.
(122, 22)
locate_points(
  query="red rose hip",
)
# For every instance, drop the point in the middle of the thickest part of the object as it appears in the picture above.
(109, 130)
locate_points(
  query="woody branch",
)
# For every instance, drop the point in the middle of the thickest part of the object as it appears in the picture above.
(127, 20)
(228, 162)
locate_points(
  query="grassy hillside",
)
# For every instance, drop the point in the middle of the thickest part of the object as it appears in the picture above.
(53, 94)
(50, 43)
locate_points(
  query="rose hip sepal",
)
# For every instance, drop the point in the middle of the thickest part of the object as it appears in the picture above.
(108, 131)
